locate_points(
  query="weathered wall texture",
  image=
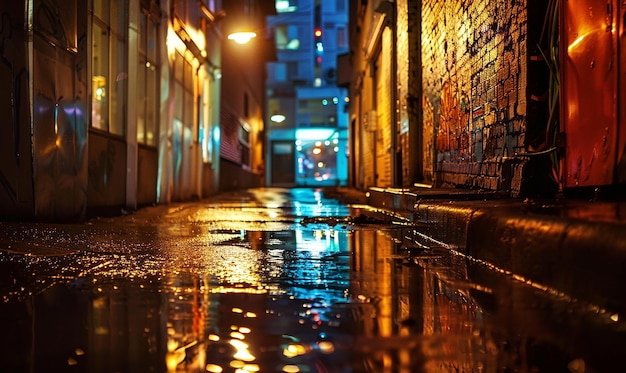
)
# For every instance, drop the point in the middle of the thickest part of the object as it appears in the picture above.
(402, 77)
(474, 84)
(16, 163)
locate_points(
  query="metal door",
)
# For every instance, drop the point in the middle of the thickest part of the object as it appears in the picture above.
(589, 92)
(621, 145)
(283, 164)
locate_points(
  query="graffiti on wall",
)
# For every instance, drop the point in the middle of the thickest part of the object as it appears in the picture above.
(428, 136)
(452, 134)
(475, 82)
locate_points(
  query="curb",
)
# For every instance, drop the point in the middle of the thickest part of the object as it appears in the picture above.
(572, 248)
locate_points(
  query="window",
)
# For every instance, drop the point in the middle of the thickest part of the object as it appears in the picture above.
(286, 37)
(317, 112)
(188, 114)
(244, 145)
(56, 21)
(341, 37)
(341, 5)
(286, 6)
(109, 68)
(147, 81)
(184, 101)
(277, 72)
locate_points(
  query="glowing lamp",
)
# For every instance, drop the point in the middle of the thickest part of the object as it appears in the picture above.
(278, 118)
(242, 37)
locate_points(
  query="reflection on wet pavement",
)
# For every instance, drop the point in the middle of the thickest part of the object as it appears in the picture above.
(240, 285)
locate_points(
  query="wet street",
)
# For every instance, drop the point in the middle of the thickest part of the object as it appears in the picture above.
(278, 280)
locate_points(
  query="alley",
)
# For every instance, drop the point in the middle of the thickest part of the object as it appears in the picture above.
(277, 280)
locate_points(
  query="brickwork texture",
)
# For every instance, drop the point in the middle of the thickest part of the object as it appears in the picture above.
(474, 87)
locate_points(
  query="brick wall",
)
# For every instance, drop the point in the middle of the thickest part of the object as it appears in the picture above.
(384, 110)
(402, 78)
(474, 78)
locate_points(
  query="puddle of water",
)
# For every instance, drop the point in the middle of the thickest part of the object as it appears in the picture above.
(311, 298)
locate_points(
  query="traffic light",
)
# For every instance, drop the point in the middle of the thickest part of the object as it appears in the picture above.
(317, 33)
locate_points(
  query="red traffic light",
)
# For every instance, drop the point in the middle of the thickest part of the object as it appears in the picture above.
(317, 32)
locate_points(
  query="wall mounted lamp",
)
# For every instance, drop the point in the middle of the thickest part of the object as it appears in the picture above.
(278, 118)
(242, 37)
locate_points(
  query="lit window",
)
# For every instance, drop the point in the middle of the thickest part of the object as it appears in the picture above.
(109, 68)
(286, 37)
(293, 44)
(286, 6)
(147, 81)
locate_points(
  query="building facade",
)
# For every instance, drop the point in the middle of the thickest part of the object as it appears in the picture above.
(306, 110)
(242, 105)
(113, 106)
(487, 94)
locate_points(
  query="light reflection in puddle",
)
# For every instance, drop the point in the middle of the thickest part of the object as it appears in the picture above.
(310, 300)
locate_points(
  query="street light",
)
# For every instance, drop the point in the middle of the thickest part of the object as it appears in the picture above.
(278, 118)
(242, 37)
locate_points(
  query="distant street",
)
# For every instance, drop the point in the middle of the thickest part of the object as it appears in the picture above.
(277, 280)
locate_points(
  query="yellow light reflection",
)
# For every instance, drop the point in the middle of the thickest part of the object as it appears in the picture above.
(244, 355)
(294, 350)
(251, 368)
(198, 37)
(214, 368)
(288, 353)
(238, 344)
(237, 335)
(291, 369)
(326, 347)
(237, 364)
(237, 310)
(581, 38)
(233, 290)
(172, 345)
(576, 42)
(214, 337)
(244, 330)
(173, 42)
(250, 314)
(173, 358)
